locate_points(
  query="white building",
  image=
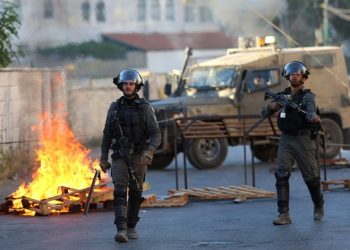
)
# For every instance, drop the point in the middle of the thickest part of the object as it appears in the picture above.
(48, 23)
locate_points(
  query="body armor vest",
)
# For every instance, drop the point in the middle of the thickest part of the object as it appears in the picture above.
(294, 120)
(132, 121)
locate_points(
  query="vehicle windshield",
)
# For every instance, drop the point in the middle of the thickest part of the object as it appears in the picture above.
(211, 77)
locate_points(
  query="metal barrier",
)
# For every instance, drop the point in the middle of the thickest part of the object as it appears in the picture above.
(243, 128)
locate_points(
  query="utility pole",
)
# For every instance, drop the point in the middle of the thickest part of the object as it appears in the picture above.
(325, 22)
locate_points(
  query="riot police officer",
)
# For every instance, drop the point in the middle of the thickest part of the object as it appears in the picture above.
(297, 124)
(131, 131)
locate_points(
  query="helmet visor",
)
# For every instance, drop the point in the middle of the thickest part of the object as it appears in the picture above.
(129, 76)
(295, 68)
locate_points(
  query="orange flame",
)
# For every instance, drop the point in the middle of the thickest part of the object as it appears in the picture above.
(62, 161)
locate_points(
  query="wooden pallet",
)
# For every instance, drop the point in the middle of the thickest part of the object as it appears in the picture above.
(73, 200)
(337, 162)
(179, 199)
(343, 183)
(69, 199)
(238, 193)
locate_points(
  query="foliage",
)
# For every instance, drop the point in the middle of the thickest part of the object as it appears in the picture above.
(101, 50)
(341, 25)
(304, 16)
(9, 25)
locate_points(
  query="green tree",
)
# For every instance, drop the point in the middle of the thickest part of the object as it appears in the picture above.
(341, 25)
(303, 17)
(9, 25)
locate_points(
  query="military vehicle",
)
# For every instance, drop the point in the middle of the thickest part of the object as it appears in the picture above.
(235, 84)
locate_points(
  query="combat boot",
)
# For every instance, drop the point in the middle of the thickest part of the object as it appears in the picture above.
(317, 198)
(121, 236)
(318, 213)
(282, 219)
(132, 234)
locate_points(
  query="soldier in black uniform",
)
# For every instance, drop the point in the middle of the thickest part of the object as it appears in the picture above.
(131, 131)
(297, 141)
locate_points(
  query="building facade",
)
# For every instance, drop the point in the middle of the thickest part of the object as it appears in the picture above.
(48, 23)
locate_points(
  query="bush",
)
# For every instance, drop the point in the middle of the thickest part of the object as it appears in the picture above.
(100, 50)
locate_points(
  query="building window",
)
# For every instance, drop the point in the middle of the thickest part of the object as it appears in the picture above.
(141, 10)
(155, 10)
(169, 10)
(48, 9)
(101, 12)
(85, 8)
(205, 14)
(190, 11)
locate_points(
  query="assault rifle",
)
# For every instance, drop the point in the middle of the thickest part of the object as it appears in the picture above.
(283, 100)
(123, 151)
(317, 128)
(286, 101)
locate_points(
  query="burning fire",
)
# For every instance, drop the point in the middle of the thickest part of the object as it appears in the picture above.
(62, 161)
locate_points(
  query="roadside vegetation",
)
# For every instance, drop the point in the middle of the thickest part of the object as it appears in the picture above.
(99, 50)
(9, 26)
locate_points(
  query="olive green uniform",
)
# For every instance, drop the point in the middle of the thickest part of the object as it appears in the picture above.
(139, 125)
(297, 145)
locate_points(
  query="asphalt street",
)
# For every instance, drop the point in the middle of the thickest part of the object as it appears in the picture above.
(220, 224)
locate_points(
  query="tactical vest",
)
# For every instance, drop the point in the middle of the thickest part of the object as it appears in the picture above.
(132, 119)
(294, 120)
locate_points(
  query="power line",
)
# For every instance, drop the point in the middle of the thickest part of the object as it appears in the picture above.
(341, 13)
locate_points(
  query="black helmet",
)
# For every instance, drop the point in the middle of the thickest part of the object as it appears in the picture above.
(295, 67)
(128, 75)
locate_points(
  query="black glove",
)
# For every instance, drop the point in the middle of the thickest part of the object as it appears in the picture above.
(104, 165)
(147, 157)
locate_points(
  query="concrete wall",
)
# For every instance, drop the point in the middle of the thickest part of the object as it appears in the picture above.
(88, 102)
(24, 95)
(89, 99)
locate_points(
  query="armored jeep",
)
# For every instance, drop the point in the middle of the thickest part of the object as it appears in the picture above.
(235, 84)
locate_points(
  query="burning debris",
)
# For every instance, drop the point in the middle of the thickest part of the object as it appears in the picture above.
(63, 175)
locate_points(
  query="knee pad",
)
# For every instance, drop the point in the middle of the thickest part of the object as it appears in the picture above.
(282, 174)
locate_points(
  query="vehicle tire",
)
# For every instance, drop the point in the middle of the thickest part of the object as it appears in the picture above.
(207, 153)
(265, 152)
(333, 135)
(161, 161)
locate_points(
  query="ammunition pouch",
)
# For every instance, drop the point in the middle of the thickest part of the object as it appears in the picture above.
(121, 148)
(122, 153)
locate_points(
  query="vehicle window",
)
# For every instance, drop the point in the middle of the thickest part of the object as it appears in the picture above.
(261, 79)
(211, 77)
(320, 60)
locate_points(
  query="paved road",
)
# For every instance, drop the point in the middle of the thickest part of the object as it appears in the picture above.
(200, 224)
